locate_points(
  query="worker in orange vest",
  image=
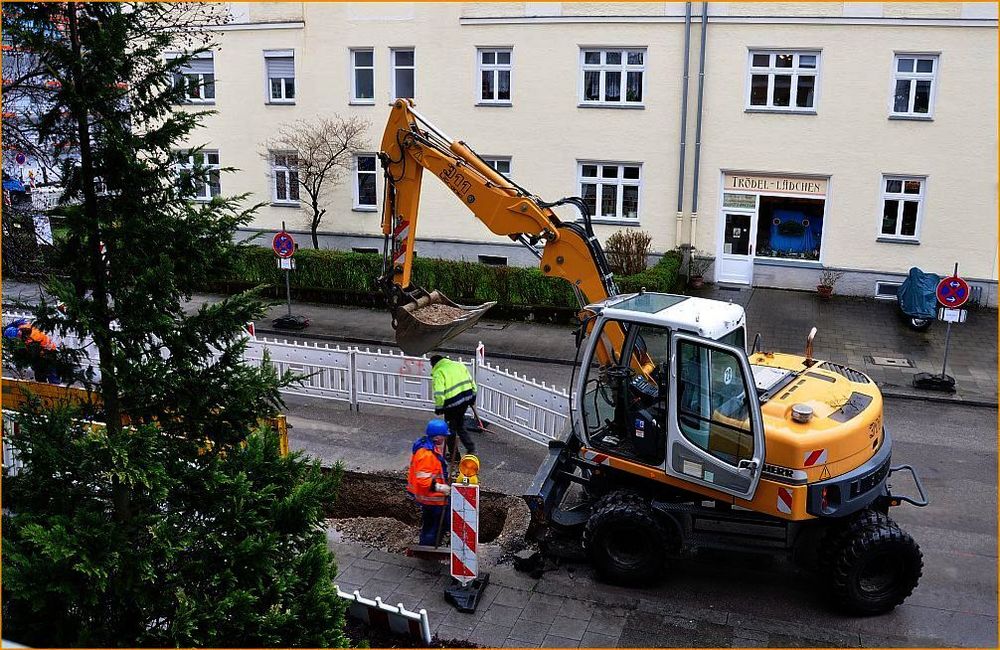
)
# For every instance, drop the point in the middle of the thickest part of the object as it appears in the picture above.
(427, 483)
(38, 345)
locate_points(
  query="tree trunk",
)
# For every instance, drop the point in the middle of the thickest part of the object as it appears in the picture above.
(317, 216)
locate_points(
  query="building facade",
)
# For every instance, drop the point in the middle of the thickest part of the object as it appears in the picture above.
(858, 137)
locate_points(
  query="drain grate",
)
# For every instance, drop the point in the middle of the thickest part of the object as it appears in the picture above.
(893, 362)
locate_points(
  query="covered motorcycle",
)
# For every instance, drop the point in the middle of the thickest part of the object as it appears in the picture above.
(918, 298)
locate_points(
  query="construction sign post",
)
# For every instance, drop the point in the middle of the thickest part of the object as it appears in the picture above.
(464, 532)
(469, 585)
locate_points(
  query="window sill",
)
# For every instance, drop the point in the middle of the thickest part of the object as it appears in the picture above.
(912, 118)
(361, 102)
(365, 208)
(613, 222)
(278, 102)
(285, 204)
(192, 102)
(778, 261)
(632, 107)
(781, 111)
(499, 104)
(898, 240)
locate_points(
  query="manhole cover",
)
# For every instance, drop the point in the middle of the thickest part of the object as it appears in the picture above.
(895, 362)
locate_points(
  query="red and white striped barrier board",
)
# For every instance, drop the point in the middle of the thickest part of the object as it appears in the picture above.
(464, 532)
(388, 617)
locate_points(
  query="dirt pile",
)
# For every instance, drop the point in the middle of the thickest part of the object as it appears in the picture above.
(438, 314)
(384, 533)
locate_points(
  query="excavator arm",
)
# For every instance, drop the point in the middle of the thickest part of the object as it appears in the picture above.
(410, 145)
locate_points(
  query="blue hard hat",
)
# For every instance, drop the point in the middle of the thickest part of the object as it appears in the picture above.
(437, 427)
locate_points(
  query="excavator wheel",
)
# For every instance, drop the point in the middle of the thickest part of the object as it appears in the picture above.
(625, 541)
(872, 564)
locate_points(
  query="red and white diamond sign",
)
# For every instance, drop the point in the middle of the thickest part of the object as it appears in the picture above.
(464, 532)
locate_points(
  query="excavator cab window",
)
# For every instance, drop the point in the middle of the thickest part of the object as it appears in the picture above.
(713, 411)
(624, 403)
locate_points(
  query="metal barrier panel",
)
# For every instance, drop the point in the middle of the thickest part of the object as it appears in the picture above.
(535, 411)
(327, 370)
(11, 463)
(393, 379)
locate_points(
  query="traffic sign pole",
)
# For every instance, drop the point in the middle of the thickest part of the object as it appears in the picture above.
(947, 334)
(952, 293)
(284, 247)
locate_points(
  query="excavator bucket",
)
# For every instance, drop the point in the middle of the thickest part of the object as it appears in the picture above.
(432, 319)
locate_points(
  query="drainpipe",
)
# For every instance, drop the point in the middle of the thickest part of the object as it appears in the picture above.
(697, 130)
(684, 115)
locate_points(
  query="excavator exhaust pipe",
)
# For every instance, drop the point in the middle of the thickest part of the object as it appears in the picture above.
(431, 319)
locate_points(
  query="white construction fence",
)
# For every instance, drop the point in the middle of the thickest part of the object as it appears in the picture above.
(534, 410)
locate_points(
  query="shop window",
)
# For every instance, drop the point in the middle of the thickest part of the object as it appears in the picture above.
(913, 85)
(902, 207)
(783, 81)
(789, 228)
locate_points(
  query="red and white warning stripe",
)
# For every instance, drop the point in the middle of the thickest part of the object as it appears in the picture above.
(785, 500)
(814, 457)
(395, 618)
(596, 457)
(464, 531)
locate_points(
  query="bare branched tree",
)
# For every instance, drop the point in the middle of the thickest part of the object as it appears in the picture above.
(323, 152)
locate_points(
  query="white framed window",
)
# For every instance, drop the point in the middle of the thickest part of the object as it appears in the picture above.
(499, 163)
(403, 73)
(284, 178)
(363, 76)
(611, 189)
(196, 78)
(612, 77)
(913, 85)
(902, 207)
(495, 69)
(365, 172)
(208, 183)
(783, 80)
(280, 68)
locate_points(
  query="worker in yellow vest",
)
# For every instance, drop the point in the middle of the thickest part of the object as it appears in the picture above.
(454, 392)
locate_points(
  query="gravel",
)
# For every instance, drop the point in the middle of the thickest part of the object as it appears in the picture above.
(438, 314)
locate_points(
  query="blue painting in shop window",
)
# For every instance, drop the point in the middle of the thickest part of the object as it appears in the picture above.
(794, 233)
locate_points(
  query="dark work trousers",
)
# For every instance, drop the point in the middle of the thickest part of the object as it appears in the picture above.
(430, 520)
(455, 417)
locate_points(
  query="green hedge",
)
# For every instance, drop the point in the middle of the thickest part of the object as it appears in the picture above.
(337, 272)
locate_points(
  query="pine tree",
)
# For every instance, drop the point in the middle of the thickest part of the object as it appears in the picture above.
(184, 526)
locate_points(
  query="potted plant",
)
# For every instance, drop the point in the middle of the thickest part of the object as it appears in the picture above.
(698, 265)
(828, 279)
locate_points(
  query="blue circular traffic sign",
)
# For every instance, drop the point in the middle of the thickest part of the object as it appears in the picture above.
(20, 158)
(283, 245)
(953, 292)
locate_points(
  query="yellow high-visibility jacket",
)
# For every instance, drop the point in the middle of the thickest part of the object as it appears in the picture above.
(453, 385)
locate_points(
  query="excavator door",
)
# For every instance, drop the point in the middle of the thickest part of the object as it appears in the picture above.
(430, 319)
(715, 431)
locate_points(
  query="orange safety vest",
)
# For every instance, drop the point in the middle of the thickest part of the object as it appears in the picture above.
(33, 335)
(426, 469)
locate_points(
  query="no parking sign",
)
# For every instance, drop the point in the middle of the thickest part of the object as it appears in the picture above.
(953, 292)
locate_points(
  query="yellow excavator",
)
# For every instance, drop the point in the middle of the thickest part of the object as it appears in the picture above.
(677, 437)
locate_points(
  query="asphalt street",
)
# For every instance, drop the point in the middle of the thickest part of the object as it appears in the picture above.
(953, 447)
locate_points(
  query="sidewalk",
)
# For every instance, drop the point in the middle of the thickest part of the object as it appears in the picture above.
(851, 331)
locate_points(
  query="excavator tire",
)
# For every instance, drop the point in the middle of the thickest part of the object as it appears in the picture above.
(833, 538)
(626, 543)
(875, 565)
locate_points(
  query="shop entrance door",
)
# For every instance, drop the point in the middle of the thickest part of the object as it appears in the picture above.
(739, 234)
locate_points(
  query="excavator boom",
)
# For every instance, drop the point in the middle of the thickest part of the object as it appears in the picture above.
(423, 319)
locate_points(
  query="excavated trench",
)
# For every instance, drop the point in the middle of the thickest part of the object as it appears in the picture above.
(373, 510)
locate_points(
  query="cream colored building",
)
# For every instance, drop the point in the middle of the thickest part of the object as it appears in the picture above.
(859, 137)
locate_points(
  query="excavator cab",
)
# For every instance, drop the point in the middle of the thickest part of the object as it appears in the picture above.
(429, 318)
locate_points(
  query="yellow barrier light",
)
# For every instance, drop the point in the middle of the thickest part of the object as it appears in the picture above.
(468, 469)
